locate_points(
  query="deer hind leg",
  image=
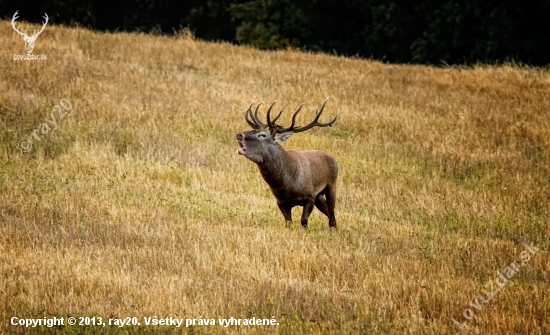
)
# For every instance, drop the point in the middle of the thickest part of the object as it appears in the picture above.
(308, 208)
(331, 202)
(321, 204)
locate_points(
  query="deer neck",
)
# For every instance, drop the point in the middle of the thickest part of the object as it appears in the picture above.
(278, 167)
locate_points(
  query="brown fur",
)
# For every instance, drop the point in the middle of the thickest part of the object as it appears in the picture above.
(296, 178)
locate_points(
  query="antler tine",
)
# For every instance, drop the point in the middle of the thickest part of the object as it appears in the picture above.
(256, 118)
(295, 114)
(278, 115)
(248, 111)
(315, 122)
(291, 128)
(255, 123)
(271, 123)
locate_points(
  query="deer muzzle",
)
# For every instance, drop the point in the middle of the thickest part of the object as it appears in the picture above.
(240, 139)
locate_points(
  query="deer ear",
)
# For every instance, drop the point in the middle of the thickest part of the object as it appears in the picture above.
(281, 137)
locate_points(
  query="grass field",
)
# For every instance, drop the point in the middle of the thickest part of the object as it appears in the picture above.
(138, 204)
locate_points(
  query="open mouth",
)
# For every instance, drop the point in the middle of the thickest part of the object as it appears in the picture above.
(242, 150)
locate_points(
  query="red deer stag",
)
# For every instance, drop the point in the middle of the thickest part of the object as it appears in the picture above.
(296, 178)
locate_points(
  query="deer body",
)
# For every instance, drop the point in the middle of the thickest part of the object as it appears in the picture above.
(293, 181)
(296, 178)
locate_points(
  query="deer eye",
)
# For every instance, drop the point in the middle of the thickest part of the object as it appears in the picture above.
(262, 135)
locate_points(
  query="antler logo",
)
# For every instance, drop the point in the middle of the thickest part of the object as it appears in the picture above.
(29, 40)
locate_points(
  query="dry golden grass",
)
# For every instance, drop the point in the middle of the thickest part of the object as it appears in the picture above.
(138, 205)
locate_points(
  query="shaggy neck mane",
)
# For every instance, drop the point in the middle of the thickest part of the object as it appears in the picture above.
(278, 167)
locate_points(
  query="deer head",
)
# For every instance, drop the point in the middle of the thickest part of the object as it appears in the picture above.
(255, 143)
(29, 40)
(296, 178)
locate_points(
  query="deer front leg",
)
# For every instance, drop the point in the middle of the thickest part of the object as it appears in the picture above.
(287, 212)
(308, 208)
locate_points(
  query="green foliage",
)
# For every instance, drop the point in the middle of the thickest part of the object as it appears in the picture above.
(427, 31)
(264, 23)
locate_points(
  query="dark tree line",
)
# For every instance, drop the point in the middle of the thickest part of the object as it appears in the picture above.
(423, 31)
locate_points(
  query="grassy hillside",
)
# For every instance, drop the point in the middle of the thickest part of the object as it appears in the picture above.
(138, 205)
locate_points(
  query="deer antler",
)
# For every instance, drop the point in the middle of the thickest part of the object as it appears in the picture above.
(271, 123)
(314, 123)
(255, 122)
(15, 17)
